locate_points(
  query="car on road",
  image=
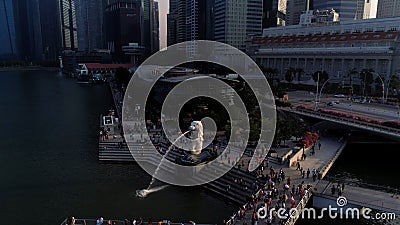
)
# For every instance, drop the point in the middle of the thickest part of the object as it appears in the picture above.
(339, 96)
(331, 103)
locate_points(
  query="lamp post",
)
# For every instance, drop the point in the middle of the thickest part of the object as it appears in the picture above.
(316, 93)
(398, 113)
(388, 86)
(320, 92)
(383, 87)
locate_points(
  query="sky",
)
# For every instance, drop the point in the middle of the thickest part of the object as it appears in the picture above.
(163, 11)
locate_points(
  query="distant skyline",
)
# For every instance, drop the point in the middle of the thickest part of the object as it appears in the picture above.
(164, 8)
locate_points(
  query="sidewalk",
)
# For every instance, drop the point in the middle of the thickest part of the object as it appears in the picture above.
(329, 147)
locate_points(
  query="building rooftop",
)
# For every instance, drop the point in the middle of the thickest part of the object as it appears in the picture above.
(329, 38)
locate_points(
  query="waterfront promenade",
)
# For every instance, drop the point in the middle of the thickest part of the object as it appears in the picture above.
(330, 149)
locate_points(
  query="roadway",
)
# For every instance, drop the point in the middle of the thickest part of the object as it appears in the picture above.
(377, 111)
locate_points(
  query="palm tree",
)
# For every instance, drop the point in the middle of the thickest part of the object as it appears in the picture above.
(352, 73)
(367, 77)
(299, 72)
(320, 76)
(289, 75)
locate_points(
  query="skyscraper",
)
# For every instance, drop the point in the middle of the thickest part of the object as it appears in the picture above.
(295, 8)
(199, 20)
(89, 14)
(347, 9)
(150, 26)
(172, 19)
(7, 30)
(29, 29)
(235, 19)
(69, 33)
(50, 27)
(181, 21)
(388, 8)
(274, 13)
(155, 28)
(123, 25)
(190, 20)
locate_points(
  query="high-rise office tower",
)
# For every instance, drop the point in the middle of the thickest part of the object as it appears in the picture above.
(172, 20)
(274, 13)
(150, 24)
(190, 20)
(235, 19)
(199, 20)
(89, 16)
(181, 21)
(367, 9)
(8, 36)
(388, 8)
(29, 29)
(295, 8)
(69, 32)
(50, 27)
(348, 9)
(123, 25)
(155, 28)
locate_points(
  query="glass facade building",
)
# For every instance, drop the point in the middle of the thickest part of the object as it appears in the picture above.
(235, 19)
(69, 32)
(7, 30)
(347, 9)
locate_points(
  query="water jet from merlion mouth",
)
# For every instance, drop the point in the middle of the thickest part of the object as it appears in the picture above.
(196, 128)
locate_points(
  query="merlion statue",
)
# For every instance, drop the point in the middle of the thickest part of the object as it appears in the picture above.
(196, 135)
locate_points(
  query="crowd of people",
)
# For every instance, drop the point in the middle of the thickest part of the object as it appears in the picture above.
(101, 221)
(272, 195)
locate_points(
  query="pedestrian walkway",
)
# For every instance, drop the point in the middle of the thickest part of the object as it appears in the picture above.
(316, 162)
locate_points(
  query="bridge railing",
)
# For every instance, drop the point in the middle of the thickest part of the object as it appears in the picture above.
(122, 222)
(350, 121)
(300, 206)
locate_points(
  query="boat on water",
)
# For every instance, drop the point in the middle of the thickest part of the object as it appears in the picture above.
(91, 79)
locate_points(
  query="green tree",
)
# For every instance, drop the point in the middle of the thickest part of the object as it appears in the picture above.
(299, 72)
(299, 128)
(122, 76)
(367, 78)
(283, 131)
(352, 73)
(395, 85)
(289, 75)
(320, 76)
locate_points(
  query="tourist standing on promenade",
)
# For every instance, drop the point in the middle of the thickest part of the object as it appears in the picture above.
(340, 191)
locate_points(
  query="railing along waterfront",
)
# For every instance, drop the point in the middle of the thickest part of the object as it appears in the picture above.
(350, 121)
